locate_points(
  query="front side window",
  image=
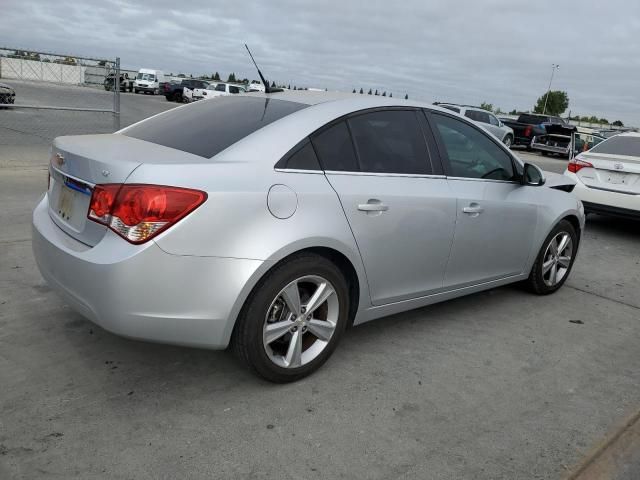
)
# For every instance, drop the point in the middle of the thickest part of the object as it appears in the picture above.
(233, 89)
(494, 120)
(390, 141)
(221, 87)
(471, 153)
(334, 149)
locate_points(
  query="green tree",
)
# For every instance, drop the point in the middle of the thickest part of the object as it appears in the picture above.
(391, 95)
(406, 96)
(216, 76)
(513, 112)
(618, 123)
(376, 92)
(487, 106)
(273, 84)
(231, 78)
(384, 94)
(354, 91)
(605, 121)
(369, 92)
(557, 103)
(361, 91)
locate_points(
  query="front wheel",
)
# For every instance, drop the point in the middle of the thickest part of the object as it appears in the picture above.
(555, 260)
(293, 319)
(508, 141)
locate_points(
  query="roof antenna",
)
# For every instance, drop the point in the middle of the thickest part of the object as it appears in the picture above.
(267, 89)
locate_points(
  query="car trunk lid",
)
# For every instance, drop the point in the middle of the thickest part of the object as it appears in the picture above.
(617, 173)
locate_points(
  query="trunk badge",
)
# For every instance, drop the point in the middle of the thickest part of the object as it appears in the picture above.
(59, 159)
(618, 166)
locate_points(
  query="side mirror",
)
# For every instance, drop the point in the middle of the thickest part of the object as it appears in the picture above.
(532, 175)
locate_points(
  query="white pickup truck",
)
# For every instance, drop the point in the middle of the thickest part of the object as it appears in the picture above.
(212, 91)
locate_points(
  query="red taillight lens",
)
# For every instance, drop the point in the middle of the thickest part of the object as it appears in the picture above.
(576, 164)
(139, 212)
(527, 131)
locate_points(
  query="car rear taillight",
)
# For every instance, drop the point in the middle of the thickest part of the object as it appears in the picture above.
(139, 212)
(527, 131)
(576, 164)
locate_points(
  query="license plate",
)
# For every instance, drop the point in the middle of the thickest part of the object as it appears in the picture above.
(615, 178)
(66, 202)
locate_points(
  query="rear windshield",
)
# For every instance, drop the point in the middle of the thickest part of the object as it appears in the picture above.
(532, 119)
(619, 145)
(207, 127)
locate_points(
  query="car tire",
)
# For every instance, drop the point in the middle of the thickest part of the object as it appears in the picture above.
(292, 350)
(551, 268)
(508, 141)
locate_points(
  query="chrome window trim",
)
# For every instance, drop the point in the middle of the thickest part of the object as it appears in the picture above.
(382, 174)
(298, 170)
(492, 180)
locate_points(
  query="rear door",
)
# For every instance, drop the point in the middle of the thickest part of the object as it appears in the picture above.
(495, 217)
(395, 197)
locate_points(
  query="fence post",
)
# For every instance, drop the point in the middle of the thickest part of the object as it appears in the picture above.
(116, 96)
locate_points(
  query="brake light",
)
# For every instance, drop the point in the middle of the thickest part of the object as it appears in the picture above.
(576, 164)
(527, 131)
(139, 212)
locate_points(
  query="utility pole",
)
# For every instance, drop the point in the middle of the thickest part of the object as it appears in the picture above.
(546, 98)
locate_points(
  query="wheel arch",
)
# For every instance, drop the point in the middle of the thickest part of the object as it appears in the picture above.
(346, 260)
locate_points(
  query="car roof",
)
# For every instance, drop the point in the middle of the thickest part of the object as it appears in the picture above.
(356, 101)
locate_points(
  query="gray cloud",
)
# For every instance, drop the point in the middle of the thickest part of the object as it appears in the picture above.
(464, 51)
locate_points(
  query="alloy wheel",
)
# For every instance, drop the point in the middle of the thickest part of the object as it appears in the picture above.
(557, 259)
(300, 321)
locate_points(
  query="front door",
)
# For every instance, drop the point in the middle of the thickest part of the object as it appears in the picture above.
(495, 218)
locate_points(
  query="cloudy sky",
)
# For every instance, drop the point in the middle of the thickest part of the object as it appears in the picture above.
(465, 51)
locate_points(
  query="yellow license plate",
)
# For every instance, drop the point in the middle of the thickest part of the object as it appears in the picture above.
(65, 205)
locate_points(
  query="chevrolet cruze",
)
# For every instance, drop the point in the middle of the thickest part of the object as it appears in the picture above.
(272, 222)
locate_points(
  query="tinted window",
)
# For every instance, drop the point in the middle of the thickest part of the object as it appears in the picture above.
(390, 141)
(449, 107)
(207, 128)
(532, 119)
(493, 120)
(233, 89)
(477, 116)
(220, 87)
(304, 158)
(619, 145)
(471, 153)
(334, 149)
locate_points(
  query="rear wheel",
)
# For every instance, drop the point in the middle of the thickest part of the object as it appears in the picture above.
(293, 319)
(555, 260)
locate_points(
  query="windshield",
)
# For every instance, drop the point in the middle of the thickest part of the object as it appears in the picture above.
(619, 145)
(207, 128)
(149, 77)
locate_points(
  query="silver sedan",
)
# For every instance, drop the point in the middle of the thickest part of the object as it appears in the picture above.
(272, 222)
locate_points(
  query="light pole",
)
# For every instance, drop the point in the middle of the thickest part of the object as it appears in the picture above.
(546, 98)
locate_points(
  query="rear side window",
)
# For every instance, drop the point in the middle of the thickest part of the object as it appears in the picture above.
(390, 141)
(449, 107)
(335, 150)
(619, 145)
(220, 87)
(206, 128)
(303, 158)
(477, 116)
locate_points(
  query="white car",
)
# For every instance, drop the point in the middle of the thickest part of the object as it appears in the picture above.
(484, 119)
(608, 176)
(218, 90)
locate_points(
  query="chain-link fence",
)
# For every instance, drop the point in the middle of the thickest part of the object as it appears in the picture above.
(45, 95)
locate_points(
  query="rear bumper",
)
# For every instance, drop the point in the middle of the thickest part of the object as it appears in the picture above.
(522, 141)
(606, 202)
(140, 291)
(542, 147)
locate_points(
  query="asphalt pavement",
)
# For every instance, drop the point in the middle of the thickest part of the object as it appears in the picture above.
(498, 385)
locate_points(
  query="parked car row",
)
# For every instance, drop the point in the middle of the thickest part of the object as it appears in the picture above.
(485, 119)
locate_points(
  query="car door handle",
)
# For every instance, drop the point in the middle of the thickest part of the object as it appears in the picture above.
(373, 206)
(474, 208)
